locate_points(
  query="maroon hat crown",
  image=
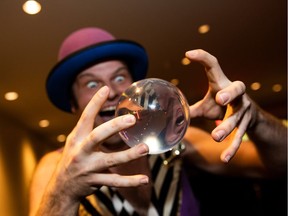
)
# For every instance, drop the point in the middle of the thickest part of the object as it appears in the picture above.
(81, 39)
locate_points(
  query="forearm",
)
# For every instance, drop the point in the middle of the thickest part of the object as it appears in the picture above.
(56, 206)
(57, 202)
(270, 137)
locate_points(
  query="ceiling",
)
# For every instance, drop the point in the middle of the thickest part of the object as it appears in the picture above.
(249, 38)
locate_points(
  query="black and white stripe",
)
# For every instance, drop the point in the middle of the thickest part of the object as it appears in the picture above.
(165, 194)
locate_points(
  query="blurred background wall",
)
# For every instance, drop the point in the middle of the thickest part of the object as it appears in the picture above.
(20, 150)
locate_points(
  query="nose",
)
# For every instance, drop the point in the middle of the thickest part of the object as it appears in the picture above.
(113, 93)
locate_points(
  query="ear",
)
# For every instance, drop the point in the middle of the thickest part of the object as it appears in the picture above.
(73, 109)
(74, 105)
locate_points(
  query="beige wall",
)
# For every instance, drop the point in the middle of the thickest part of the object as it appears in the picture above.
(20, 150)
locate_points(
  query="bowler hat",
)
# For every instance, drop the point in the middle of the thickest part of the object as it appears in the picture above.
(85, 48)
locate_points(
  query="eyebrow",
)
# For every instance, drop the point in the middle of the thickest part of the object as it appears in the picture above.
(121, 68)
(81, 75)
(91, 75)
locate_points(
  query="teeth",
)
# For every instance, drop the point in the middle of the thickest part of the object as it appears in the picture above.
(111, 108)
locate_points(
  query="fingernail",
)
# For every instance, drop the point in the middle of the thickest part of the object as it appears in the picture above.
(144, 180)
(143, 149)
(103, 91)
(227, 158)
(129, 118)
(190, 53)
(224, 98)
(220, 135)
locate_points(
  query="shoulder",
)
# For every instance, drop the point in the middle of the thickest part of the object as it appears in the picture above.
(51, 157)
(194, 135)
(193, 140)
(49, 160)
(47, 164)
(41, 177)
(45, 169)
(194, 130)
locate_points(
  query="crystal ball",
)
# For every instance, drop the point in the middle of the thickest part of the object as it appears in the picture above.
(161, 111)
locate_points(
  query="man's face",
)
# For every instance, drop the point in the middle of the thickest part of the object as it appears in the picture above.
(113, 74)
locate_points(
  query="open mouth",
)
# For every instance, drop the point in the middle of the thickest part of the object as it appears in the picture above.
(107, 112)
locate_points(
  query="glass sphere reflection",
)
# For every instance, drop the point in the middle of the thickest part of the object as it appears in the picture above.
(161, 111)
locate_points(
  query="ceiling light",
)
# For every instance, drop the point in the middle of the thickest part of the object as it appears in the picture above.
(61, 138)
(203, 29)
(185, 61)
(277, 88)
(11, 96)
(175, 82)
(44, 123)
(31, 7)
(255, 86)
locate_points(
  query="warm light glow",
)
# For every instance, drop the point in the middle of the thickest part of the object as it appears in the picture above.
(185, 61)
(255, 86)
(28, 162)
(277, 88)
(11, 96)
(177, 152)
(137, 90)
(175, 82)
(6, 188)
(152, 142)
(44, 123)
(31, 7)
(203, 29)
(61, 138)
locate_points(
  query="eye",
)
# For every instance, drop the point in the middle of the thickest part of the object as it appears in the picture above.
(180, 120)
(119, 79)
(92, 84)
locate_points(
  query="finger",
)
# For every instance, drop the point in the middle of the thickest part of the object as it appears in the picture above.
(115, 180)
(232, 119)
(230, 93)
(229, 153)
(102, 161)
(195, 109)
(225, 128)
(215, 75)
(207, 108)
(107, 129)
(86, 121)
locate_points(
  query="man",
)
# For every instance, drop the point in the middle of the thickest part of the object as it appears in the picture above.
(97, 173)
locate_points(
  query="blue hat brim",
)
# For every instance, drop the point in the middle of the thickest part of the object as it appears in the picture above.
(60, 80)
